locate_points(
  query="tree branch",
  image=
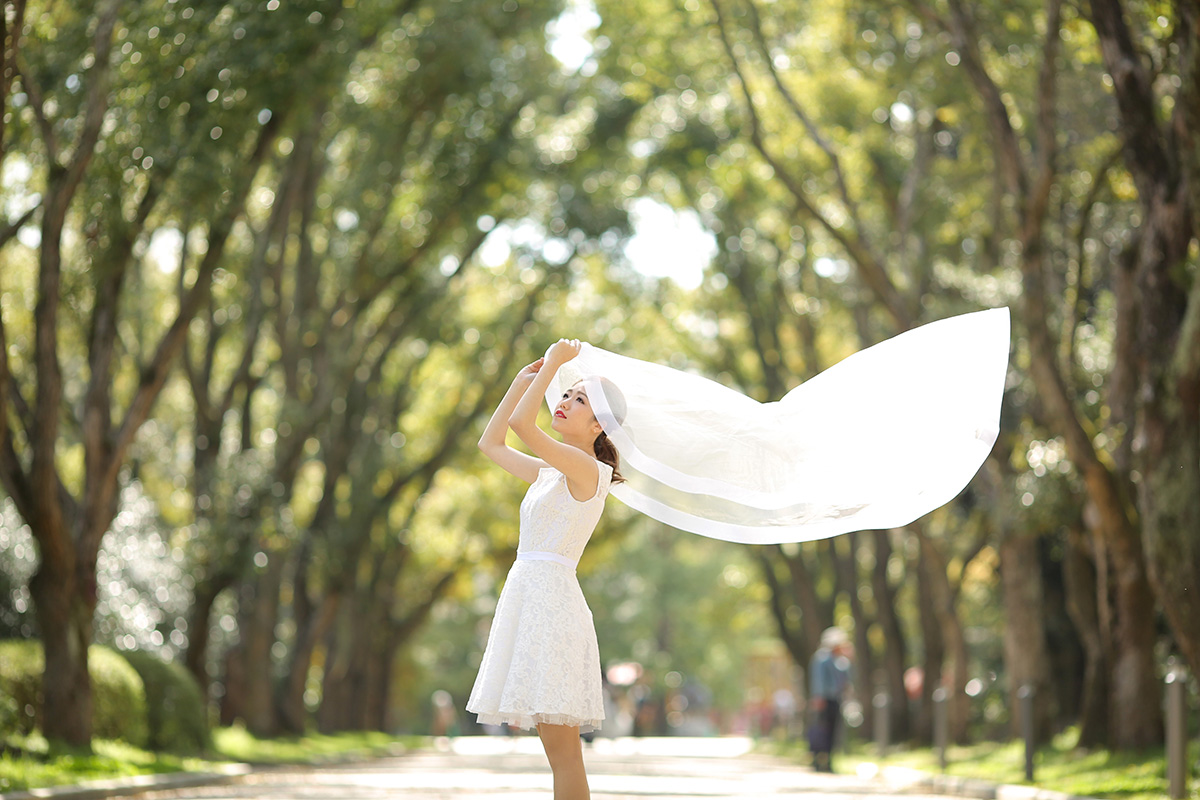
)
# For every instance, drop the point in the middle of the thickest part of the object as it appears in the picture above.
(12, 475)
(97, 97)
(1100, 183)
(155, 374)
(110, 273)
(37, 103)
(10, 40)
(798, 111)
(870, 269)
(13, 228)
(1045, 171)
(1145, 147)
(1010, 162)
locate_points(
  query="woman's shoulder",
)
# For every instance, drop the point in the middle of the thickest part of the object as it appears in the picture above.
(606, 470)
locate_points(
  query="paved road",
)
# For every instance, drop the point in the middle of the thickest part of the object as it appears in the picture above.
(499, 768)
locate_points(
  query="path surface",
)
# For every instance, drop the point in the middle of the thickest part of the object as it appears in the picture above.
(501, 768)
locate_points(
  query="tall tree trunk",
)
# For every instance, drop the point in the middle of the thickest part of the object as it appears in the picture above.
(1079, 576)
(376, 677)
(1170, 503)
(195, 656)
(1161, 157)
(259, 616)
(345, 656)
(1025, 649)
(942, 597)
(864, 661)
(64, 616)
(801, 638)
(293, 714)
(1065, 649)
(935, 646)
(1168, 425)
(894, 649)
(206, 438)
(1138, 720)
(233, 686)
(779, 605)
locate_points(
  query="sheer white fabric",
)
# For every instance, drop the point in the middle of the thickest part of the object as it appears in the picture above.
(542, 663)
(875, 441)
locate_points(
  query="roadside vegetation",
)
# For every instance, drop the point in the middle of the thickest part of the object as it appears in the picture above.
(31, 762)
(1061, 766)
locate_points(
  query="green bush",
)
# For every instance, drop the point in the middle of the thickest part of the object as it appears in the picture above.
(9, 716)
(21, 681)
(118, 696)
(176, 715)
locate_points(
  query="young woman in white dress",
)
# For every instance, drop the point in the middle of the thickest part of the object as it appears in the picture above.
(541, 667)
(879, 439)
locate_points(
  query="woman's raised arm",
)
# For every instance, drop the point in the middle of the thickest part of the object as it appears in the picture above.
(493, 441)
(575, 459)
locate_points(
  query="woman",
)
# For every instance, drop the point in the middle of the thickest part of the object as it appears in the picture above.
(881, 438)
(541, 667)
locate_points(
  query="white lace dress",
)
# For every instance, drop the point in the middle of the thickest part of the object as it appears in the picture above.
(542, 664)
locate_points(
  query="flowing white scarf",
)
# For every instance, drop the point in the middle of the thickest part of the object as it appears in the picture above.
(875, 441)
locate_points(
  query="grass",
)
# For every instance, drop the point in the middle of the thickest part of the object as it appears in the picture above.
(1059, 767)
(238, 744)
(36, 763)
(31, 762)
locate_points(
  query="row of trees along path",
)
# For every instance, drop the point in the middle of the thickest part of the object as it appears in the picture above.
(243, 251)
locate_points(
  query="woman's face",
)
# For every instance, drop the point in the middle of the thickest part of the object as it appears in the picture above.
(573, 417)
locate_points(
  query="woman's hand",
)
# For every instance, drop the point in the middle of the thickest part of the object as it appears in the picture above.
(530, 371)
(563, 351)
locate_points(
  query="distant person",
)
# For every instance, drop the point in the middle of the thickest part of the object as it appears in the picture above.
(828, 678)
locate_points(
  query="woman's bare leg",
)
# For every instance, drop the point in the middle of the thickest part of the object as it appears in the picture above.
(565, 752)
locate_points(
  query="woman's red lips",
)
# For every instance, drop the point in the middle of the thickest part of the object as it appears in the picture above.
(560, 414)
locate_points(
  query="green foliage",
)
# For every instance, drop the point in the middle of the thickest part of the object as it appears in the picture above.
(176, 711)
(35, 764)
(10, 714)
(240, 745)
(118, 698)
(437, 200)
(118, 695)
(683, 604)
(21, 681)
(1059, 767)
(17, 562)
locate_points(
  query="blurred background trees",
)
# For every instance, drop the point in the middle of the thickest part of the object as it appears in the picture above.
(266, 267)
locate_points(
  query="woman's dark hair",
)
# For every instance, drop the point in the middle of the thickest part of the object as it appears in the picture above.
(606, 451)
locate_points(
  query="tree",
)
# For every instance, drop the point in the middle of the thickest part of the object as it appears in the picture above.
(369, 257)
(1159, 325)
(971, 115)
(62, 462)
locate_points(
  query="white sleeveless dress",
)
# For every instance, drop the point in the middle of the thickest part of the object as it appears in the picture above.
(542, 663)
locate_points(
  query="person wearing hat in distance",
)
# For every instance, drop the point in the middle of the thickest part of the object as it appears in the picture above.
(828, 678)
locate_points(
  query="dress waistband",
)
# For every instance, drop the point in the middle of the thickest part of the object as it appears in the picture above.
(540, 555)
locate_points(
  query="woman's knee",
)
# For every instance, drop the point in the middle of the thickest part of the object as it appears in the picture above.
(561, 744)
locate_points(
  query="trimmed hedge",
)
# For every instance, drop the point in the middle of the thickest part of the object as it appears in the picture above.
(118, 698)
(175, 709)
(118, 695)
(21, 667)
